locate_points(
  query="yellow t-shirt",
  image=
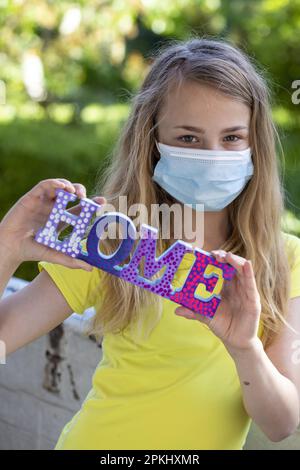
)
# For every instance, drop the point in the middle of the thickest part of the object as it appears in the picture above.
(177, 390)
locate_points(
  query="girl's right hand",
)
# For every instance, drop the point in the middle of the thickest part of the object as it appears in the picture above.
(29, 213)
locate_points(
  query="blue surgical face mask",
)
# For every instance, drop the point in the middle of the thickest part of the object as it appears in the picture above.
(196, 176)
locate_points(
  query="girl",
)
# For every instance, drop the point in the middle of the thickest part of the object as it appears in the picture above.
(200, 131)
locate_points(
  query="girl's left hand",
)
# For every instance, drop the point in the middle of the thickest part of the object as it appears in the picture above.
(236, 320)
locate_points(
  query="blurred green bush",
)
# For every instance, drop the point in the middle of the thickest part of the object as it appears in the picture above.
(67, 67)
(33, 150)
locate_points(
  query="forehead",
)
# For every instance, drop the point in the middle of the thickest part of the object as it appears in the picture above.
(194, 103)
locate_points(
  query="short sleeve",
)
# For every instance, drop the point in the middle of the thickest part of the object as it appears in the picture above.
(80, 288)
(293, 252)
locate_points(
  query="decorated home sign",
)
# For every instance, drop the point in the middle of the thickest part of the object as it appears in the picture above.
(206, 275)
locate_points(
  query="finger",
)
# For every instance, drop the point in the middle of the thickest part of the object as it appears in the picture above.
(53, 256)
(227, 289)
(77, 189)
(237, 262)
(46, 188)
(68, 185)
(250, 283)
(187, 313)
(237, 257)
(100, 199)
(80, 190)
(220, 255)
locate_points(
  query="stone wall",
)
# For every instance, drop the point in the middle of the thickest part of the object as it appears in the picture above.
(43, 384)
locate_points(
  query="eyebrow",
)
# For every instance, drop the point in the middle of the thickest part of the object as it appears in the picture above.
(202, 131)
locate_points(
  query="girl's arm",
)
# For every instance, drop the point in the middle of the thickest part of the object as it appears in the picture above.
(270, 380)
(32, 311)
(39, 306)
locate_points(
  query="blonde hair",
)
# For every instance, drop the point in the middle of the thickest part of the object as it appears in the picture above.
(254, 216)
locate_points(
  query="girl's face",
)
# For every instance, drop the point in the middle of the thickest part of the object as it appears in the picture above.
(199, 116)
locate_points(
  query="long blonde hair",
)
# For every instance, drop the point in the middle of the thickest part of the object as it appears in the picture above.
(254, 216)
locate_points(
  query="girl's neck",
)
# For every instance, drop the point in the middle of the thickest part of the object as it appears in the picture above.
(215, 230)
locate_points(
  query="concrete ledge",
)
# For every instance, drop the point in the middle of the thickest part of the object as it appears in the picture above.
(43, 384)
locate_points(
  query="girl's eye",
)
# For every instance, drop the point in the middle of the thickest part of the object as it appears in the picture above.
(234, 137)
(186, 141)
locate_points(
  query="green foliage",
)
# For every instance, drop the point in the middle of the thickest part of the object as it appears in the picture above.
(35, 150)
(68, 69)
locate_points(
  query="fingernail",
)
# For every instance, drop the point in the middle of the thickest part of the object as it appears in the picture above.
(216, 252)
(84, 266)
